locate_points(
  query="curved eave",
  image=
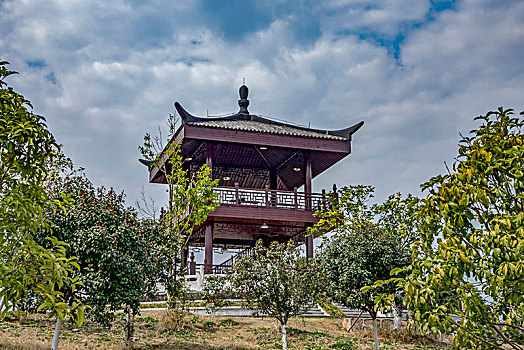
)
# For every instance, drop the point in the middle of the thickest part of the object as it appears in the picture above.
(146, 162)
(347, 132)
(189, 118)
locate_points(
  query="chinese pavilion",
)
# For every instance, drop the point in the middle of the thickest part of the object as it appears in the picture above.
(261, 164)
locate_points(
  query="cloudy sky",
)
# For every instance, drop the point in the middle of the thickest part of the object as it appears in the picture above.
(417, 72)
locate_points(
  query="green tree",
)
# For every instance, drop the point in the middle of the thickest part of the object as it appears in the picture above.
(368, 241)
(397, 214)
(27, 150)
(112, 245)
(190, 201)
(472, 241)
(276, 281)
(216, 293)
(353, 260)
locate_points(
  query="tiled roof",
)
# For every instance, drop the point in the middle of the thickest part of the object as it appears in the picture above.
(265, 127)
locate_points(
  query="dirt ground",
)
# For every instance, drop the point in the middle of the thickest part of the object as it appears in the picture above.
(155, 330)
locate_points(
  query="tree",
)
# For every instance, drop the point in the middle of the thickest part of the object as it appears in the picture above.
(472, 241)
(112, 245)
(216, 293)
(355, 259)
(190, 201)
(27, 149)
(276, 281)
(368, 241)
(397, 214)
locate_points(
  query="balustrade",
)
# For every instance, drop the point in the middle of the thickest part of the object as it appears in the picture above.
(269, 198)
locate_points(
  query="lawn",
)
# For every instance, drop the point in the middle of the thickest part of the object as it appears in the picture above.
(154, 330)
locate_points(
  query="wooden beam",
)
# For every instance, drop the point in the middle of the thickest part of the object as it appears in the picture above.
(262, 156)
(258, 215)
(266, 139)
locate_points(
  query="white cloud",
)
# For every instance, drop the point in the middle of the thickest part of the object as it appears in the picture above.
(114, 83)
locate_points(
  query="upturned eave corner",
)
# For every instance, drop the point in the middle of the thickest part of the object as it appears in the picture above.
(347, 133)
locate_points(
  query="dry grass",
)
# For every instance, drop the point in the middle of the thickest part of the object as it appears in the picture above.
(157, 330)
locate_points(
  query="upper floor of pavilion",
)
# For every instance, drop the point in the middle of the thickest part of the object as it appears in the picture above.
(248, 151)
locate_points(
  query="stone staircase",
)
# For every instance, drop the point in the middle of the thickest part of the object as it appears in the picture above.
(315, 311)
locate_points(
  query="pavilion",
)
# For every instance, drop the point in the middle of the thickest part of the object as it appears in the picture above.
(260, 164)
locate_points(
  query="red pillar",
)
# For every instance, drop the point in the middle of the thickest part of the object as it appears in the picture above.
(308, 190)
(309, 247)
(307, 182)
(209, 156)
(183, 256)
(208, 257)
(273, 185)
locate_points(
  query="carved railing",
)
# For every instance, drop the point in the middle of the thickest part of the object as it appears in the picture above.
(215, 269)
(269, 198)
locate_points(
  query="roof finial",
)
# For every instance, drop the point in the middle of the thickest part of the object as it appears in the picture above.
(243, 102)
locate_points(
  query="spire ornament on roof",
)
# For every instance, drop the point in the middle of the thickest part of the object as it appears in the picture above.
(243, 102)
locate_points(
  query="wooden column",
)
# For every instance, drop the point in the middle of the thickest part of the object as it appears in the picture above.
(273, 185)
(309, 247)
(208, 254)
(308, 190)
(209, 156)
(183, 256)
(308, 176)
(208, 257)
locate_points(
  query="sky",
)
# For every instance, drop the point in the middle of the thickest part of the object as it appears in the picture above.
(417, 72)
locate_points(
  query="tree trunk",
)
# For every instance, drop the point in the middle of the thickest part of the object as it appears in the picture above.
(284, 339)
(58, 328)
(129, 328)
(375, 333)
(397, 318)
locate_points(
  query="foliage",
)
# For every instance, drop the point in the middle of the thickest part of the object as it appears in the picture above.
(191, 199)
(276, 281)
(328, 306)
(353, 260)
(215, 294)
(349, 208)
(472, 241)
(349, 212)
(398, 214)
(47, 271)
(27, 150)
(112, 245)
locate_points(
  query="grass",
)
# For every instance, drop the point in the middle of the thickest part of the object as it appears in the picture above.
(158, 330)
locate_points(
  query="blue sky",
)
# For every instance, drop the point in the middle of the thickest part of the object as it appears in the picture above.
(417, 72)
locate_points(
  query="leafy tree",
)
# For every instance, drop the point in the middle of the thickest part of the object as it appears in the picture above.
(190, 201)
(27, 149)
(369, 241)
(355, 259)
(397, 214)
(276, 281)
(112, 245)
(472, 241)
(216, 293)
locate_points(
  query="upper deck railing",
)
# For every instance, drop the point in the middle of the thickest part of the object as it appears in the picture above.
(269, 198)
